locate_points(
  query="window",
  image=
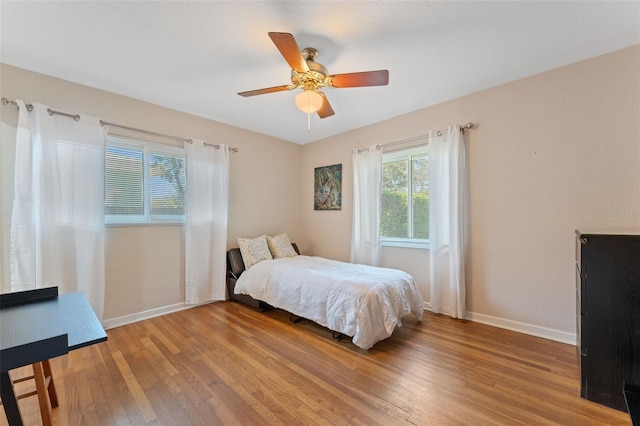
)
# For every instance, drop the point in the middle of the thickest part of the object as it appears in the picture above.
(144, 182)
(404, 218)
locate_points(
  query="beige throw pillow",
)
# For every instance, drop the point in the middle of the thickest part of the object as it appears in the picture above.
(254, 250)
(280, 246)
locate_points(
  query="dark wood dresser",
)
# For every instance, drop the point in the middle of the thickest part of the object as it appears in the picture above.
(608, 308)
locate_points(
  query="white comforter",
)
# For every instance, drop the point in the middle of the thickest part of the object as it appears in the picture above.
(360, 301)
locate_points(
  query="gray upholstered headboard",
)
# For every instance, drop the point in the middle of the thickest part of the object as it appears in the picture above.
(235, 265)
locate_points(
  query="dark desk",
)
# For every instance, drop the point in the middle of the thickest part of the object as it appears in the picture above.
(38, 325)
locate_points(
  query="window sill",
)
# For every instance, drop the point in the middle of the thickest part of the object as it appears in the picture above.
(130, 224)
(405, 244)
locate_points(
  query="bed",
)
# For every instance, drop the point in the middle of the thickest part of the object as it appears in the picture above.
(363, 302)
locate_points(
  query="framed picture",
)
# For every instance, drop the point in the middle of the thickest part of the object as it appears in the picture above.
(327, 188)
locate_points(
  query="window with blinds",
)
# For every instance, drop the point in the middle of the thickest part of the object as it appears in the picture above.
(144, 182)
(404, 217)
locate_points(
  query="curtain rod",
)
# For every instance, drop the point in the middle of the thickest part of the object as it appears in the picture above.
(467, 126)
(76, 117)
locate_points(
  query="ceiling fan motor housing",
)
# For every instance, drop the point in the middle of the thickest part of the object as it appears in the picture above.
(314, 79)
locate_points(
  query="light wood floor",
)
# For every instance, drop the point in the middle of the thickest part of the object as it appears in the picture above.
(226, 363)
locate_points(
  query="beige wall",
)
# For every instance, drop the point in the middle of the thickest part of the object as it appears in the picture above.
(145, 264)
(552, 153)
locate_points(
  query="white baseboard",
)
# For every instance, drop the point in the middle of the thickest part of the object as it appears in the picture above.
(533, 330)
(520, 327)
(139, 316)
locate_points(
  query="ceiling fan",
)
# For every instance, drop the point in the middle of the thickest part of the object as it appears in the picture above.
(311, 76)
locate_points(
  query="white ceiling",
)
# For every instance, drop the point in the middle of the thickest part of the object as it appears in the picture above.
(195, 56)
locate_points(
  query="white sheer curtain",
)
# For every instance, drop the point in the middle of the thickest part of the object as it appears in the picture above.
(207, 170)
(57, 222)
(367, 180)
(448, 218)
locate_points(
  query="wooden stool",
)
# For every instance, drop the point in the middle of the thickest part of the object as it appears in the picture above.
(45, 389)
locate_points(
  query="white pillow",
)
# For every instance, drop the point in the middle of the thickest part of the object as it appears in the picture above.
(280, 246)
(254, 250)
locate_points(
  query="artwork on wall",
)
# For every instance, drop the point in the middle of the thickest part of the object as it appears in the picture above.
(327, 189)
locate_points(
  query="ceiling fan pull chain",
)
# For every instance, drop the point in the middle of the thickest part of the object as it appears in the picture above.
(309, 122)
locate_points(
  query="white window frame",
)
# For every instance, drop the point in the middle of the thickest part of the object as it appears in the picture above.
(147, 149)
(405, 154)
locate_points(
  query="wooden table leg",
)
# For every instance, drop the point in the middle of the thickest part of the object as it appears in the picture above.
(43, 394)
(53, 395)
(9, 401)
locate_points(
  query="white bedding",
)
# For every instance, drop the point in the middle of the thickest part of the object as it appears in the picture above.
(363, 302)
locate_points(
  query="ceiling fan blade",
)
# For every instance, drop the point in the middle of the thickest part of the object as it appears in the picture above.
(289, 49)
(325, 110)
(360, 79)
(266, 90)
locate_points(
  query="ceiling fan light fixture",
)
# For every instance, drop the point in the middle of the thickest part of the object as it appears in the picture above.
(309, 101)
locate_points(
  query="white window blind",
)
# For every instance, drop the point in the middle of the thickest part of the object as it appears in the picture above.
(420, 196)
(144, 182)
(124, 182)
